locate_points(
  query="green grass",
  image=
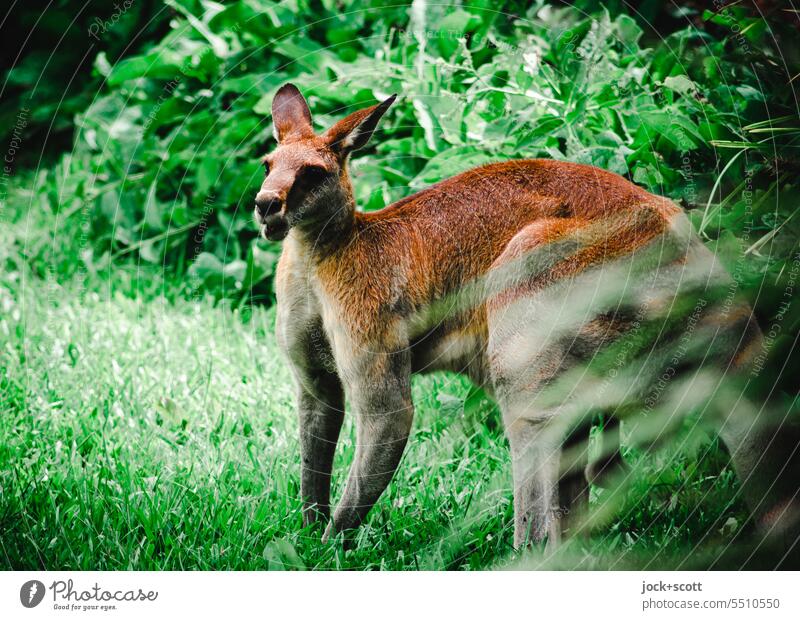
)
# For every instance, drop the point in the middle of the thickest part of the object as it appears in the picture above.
(162, 436)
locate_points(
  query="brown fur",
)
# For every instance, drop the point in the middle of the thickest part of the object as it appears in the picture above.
(444, 237)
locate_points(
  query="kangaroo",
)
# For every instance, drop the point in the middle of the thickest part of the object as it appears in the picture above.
(517, 274)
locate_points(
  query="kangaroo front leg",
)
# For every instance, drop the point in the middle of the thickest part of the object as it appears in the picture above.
(384, 413)
(320, 414)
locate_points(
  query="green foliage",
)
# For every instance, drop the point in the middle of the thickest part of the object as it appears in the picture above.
(165, 159)
(49, 70)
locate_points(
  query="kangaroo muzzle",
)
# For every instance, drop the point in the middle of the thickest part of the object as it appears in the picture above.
(269, 213)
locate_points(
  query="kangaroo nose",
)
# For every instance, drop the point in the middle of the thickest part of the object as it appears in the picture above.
(267, 204)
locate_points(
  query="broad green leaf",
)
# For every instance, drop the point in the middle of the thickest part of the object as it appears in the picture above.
(449, 163)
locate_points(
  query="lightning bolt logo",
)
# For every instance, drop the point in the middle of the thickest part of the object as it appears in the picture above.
(34, 590)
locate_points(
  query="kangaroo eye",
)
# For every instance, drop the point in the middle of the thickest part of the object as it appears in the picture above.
(313, 174)
(266, 167)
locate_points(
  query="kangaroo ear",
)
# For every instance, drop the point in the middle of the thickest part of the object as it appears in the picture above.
(355, 130)
(290, 114)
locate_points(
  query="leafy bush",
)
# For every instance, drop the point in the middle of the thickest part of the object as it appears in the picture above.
(165, 159)
(49, 73)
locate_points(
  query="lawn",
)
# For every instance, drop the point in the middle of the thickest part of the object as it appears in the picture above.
(154, 435)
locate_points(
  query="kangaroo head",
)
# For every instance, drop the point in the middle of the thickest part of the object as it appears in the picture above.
(306, 184)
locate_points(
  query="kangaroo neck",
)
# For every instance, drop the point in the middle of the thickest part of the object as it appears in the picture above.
(322, 238)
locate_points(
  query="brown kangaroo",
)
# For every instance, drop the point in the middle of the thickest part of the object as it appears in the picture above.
(517, 274)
